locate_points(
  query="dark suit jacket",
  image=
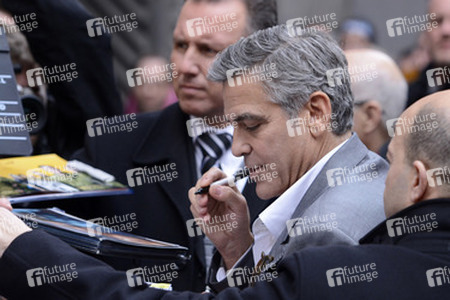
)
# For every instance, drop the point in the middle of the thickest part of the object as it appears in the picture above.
(420, 88)
(161, 208)
(61, 38)
(407, 266)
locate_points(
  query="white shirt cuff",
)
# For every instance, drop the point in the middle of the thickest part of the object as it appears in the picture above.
(222, 273)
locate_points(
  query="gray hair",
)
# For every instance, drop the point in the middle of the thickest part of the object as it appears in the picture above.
(262, 13)
(389, 88)
(302, 63)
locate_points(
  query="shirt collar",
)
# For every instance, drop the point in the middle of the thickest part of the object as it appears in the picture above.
(274, 217)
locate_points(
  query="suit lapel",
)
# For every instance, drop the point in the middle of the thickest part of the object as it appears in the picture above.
(168, 142)
(349, 155)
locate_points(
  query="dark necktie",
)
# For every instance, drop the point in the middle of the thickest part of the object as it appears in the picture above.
(213, 146)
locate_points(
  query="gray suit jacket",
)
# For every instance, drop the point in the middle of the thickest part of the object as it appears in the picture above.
(344, 202)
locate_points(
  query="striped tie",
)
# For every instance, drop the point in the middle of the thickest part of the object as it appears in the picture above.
(213, 146)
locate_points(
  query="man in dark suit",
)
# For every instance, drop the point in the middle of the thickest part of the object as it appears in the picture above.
(405, 257)
(435, 76)
(163, 139)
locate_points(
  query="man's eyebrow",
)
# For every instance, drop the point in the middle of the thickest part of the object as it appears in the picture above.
(249, 117)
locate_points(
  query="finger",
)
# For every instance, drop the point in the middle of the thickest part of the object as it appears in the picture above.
(230, 196)
(209, 177)
(198, 205)
(4, 202)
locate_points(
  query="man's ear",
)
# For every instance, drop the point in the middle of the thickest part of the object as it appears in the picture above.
(372, 114)
(318, 110)
(420, 182)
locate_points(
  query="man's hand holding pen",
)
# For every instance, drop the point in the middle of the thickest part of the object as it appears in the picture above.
(222, 204)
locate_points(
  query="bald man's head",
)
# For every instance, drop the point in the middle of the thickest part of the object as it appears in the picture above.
(430, 146)
(420, 154)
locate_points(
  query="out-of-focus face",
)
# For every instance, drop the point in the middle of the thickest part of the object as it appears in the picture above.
(351, 41)
(440, 37)
(399, 177)
(358, 121)
(194, 53)
(262, 138)
(152, 96)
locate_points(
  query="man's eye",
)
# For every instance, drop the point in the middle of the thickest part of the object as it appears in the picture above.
(209, 51)
(252, 127)
(180, 45)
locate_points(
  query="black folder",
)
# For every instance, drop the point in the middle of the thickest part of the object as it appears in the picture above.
(96, 239)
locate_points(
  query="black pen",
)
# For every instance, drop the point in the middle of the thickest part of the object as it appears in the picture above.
(240, 174)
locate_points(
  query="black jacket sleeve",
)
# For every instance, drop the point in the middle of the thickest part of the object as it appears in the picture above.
(96, 280)
(246, 262)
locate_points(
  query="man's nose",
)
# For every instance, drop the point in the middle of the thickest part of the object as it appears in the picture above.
(190, 62)
(445, 26)
(240, 146)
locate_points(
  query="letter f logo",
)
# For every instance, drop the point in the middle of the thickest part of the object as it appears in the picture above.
(95, 27)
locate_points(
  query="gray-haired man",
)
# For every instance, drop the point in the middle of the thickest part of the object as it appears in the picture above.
(380, 92)
(293, 107)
